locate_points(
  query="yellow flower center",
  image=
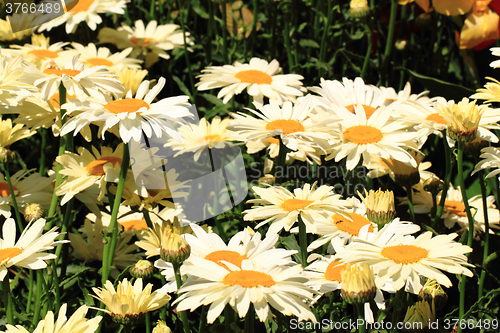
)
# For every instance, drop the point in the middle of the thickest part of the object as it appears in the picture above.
(54, 100)
(9, 253)
(96, 167)
(134, 224)
(99, 61)
(274, 140)
(60, 72)
(126, 105)
(295, 204)
(254, 76)
(44, 54)
(248, 279)
(455, 207)
(363, 134)
(436, 117)
(145, 42)
(404, 254)
(230, 256)
(369, 110)
(4, 190)
(287, 126)
(351, 227)
(334, 271)
(80, 6)
(211, 138)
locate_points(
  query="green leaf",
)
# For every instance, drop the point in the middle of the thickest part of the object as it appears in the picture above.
(212, 99)
(74, 276)
(441, 88)
(122, 275)
(290, 243)
(308, 43)
(182, 86)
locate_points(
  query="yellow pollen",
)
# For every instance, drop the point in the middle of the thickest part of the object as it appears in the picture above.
(437, 118)
(80, 6)
(295, 204)
(455, 207)
(334, 271)
(54, 100)
(99, 61)
(145, 42)
(254, 76)
(405, 254)
(369, 110)
(274, 140)
(248, 279)
(287, 126)
(96, 167)
(363, 134)
(60, 72)
(230, 256)
(4, 190)
(126, 105)
(44, 54)
(212, 138)
(134, 225)
(9, 253)
(351, 227)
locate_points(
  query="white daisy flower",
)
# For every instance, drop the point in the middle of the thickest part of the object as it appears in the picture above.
(91, 56)
(260, 78)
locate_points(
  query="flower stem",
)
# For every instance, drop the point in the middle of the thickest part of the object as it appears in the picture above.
(368, 32)
(250, 319)
(324, 44)
(38, 297)
(128, 328)
(30, 292)
(389, 42)
(447, 179)
(286, 35)
(361, 311)
(190, 73)
(148, 322)
(224, 33)
(281, 163)
(183, 314)
(145, 212)
(303, 242)
(409, 193)
(7, 300)
(110, 246)
(463, 278)
(12, 195)
(486, 233)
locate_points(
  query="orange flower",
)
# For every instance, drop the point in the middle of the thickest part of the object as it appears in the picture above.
(481, 28)
(453, 7)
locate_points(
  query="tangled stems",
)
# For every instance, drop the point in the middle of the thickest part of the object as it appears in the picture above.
(463, 279)
(110, 246)
(12, 194)
(7, 300)
(183, 314)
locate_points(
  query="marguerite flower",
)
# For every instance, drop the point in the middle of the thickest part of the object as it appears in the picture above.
(91, 56)
(12, 89)
(7, 35)
(129, 303)
(29, 250)
(131, 78)
(282, 287)
(131, 116)
(490, 159)
(10, 134)
(260, 78)
(84, 10)
(151, 41)
(358, 136)
(283, 208)
(76, 323)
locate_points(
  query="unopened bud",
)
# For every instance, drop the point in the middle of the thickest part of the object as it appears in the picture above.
(433, 293)
(161, 327)
(33, 212)
(175, 249)
(143, 269)
(358, 284)
(267, 180)
(433, 185)
(7, 155)
(359, 8)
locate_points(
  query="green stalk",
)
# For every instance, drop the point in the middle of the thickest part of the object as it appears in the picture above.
(463, 278)
(447, 179)
(250, 319)
(208, 45)
(323, 45)
(30, 292)
(409, 193)
(56, 285)
(303, 242)
(7, 300)
(281, 162)
(190, 73)
(110, 246)
(183, 314)
(203, 319)
(43, 134)
(5, 165)
(288, 47)
(254, 25)
(148, 322)
(224, 33)
(361, 316)
(368, 32)
(390, 37)
(128, 328)
(486, 233)
(145, 212)
(38, 297)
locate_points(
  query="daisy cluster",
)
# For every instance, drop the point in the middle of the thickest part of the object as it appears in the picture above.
(293, 248)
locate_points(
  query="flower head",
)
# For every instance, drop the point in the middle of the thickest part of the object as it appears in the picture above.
(379, 206)
(358, 285)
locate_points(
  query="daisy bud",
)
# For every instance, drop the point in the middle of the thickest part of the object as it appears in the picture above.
(433, 185)
(419, 313)
(474, 148)
(142, 269)
(175, 249)
(33, 212)
(358, 284)
(401, 44)
(380, 206)
(433, 293)
(161, 327)
(6, 155)
(267, 180)
(359, 8)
